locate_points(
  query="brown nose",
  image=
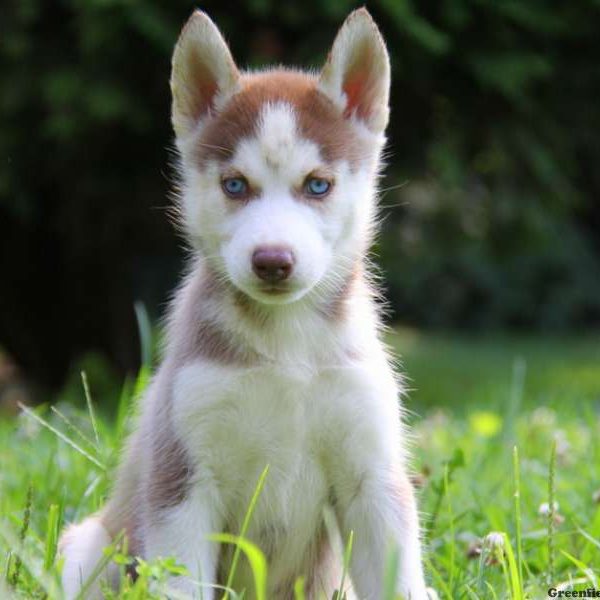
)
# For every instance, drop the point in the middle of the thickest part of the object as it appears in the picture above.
(272, 264)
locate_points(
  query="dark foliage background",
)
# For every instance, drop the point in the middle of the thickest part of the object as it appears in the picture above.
(492, 213)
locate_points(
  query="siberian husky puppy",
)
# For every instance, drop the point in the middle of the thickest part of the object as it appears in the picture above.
(273, 353)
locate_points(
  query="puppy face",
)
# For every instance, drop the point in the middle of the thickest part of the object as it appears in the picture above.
(278, 167)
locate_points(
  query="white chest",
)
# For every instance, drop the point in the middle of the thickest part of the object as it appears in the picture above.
(307, 426)
(235, 422)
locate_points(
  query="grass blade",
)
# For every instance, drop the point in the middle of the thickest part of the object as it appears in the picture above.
(109, 552)
(145, 332)
(440, 581)
(588, 537)
(141, 383)
(517, 387)
(245, 525)
(518, 511)
(491, 590)
(513, 570)
(61, 436)
(299, 593)
(90, 405)
(42, 578)
(588, 572)
(452, 531)
(255, 557)
(124, 407)
(471, 592)
(52, 530)
(72, 426)
(340, 595)
(22, 535)
(551, 513)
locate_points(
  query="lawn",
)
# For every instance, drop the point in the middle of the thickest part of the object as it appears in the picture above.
(503, 428)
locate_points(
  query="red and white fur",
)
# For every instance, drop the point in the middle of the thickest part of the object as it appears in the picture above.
(273, 353)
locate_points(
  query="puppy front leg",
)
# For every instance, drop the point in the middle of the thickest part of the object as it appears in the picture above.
(383, 515)
(182, 532)
(373, 495)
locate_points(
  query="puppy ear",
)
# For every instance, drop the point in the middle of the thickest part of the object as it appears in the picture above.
(203, 74)
(356, 76)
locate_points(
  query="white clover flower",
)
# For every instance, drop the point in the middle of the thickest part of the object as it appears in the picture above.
(563, 446)
(494, 540)
(544, 509)
(543, 417)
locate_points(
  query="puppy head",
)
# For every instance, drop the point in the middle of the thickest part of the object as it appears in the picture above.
(278, 168)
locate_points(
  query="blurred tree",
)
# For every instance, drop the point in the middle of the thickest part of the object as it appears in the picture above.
(499, 221)
(495, 127)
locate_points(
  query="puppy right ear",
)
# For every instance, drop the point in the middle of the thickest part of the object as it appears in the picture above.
(356, 76)
(203, 73)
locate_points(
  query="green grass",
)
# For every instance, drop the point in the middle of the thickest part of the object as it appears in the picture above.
(487, 416)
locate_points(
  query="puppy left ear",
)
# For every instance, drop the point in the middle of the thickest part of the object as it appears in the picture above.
(356, 76)
(203, 74)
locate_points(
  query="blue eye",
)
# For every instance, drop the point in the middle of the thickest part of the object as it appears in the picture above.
(235, 186)
(317, 186)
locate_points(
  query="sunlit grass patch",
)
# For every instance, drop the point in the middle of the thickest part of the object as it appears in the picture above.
(499, 520)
